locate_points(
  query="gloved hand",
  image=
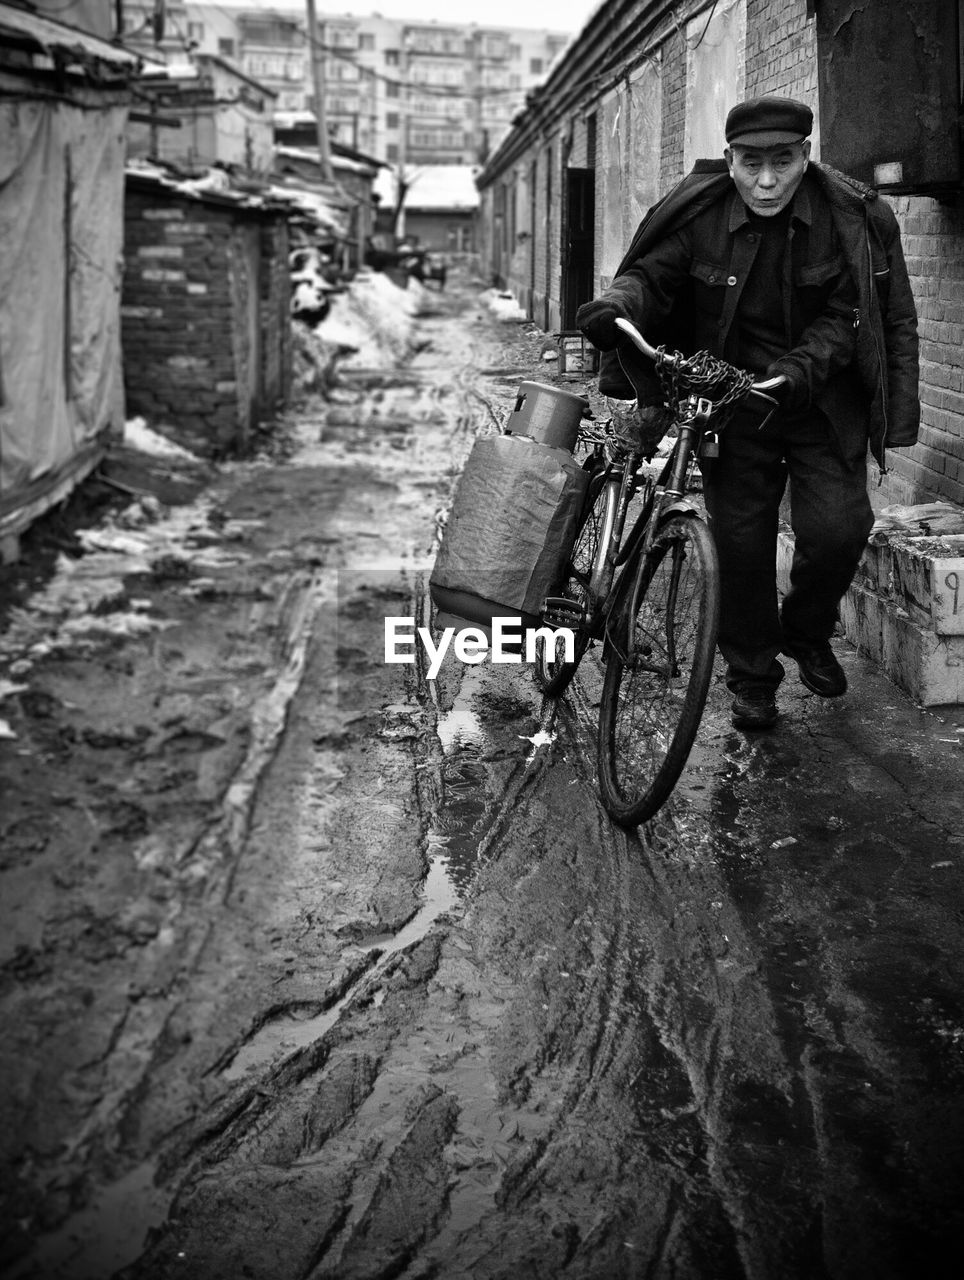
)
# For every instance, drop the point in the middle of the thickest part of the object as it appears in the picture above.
(597, 319)
(795, 395)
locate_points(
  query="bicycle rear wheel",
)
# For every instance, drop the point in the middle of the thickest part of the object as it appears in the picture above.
(554, 674)
(654, 691)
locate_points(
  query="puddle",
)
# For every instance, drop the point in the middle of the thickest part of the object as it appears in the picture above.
(453, 829)
(289, 1034)
(106, 1236)
(452, 845)
(460, 725)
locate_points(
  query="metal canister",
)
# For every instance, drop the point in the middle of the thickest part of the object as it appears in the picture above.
(547, 415)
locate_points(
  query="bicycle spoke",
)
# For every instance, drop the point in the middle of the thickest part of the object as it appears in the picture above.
(657, 677)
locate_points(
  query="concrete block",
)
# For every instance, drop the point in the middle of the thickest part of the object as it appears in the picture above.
(923, 575)
(928, 582)
(928, 666)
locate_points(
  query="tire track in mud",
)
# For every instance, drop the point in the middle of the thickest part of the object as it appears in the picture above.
(534, 1079)
(238, 1112)
(705, 998)
(211, 862)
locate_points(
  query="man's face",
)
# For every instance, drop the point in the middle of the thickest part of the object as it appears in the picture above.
(767, 177)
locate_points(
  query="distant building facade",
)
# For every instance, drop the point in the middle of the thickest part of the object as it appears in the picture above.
(401, 90)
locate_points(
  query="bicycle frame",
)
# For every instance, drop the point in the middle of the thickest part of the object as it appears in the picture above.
(665, 495)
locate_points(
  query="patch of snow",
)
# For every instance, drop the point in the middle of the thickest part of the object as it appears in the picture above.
(374, 316)
(139, 435)
(503, 305)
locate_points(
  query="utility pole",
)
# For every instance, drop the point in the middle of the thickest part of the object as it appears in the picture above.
(318, 82)
(402, 185)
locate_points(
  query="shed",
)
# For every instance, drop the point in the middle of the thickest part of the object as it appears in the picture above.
(63, 110)
(205, 308)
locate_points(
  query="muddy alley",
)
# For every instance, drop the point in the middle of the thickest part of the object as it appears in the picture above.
(316, 969)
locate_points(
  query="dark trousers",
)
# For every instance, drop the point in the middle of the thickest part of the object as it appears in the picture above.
(831, 517)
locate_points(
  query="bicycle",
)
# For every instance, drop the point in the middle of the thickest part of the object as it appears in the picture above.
(650, 597)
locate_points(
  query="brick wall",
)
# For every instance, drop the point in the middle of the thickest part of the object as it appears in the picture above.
(781, 50)
(933, 239)
(539, 276)
(674, 111)
(275, 295)
(203, 323)
(780, 57)
(554, 317)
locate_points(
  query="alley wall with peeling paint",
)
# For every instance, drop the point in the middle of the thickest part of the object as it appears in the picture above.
(626, 112)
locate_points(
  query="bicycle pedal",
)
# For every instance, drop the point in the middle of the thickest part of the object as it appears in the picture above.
(559, 611)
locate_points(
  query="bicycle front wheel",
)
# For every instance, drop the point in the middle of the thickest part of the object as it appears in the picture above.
(658, 668)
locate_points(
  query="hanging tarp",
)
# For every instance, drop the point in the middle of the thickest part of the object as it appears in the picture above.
(61, 245)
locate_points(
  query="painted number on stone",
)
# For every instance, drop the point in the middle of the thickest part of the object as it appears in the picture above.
(953, 583)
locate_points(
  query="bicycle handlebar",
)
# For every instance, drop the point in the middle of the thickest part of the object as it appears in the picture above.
(766, 387)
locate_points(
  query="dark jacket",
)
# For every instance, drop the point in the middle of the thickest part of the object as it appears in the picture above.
(868, 235)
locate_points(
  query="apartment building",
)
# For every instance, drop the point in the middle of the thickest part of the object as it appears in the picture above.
(402, 91)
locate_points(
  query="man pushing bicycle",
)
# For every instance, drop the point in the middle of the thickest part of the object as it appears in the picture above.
(783, 267)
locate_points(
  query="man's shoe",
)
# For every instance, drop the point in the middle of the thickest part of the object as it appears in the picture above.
(754, 707)
(819, 669)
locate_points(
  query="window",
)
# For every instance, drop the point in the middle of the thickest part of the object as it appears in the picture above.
(271, 31)
(366, 40)
(226, 47)
(341, 37)
(391, 120)
(391, 153)
(195, 31)
(391, 89)
(535, 66)
(391, 57)
(436, 139)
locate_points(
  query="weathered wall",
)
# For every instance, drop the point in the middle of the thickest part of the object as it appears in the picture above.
(205, 319)
(640, 153)
(275, 298)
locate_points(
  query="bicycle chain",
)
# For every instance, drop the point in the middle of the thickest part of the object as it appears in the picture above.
(704, 373)
(679, 376)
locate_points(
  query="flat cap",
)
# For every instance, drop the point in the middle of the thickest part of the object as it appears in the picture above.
(769, 121)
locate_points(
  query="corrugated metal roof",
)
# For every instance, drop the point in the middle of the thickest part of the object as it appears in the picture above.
(56, 37)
